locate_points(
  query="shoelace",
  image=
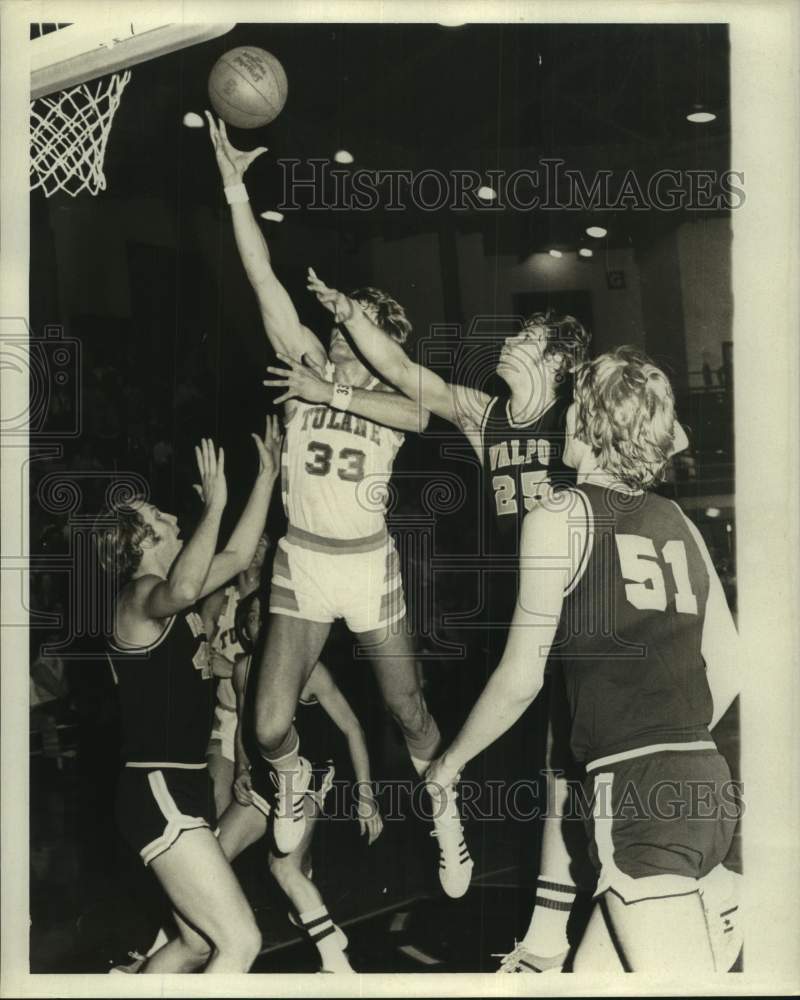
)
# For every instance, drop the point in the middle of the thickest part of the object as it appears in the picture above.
(512, 957)
(435, 833)
(520, 955)
(460, 846)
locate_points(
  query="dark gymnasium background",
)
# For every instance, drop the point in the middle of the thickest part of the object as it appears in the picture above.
(167, 346)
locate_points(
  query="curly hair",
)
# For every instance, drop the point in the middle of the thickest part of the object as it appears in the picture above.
(118, 536)
(626, 414)
(566, 336)
(390, 315)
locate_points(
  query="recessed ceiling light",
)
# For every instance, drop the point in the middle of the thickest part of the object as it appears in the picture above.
(555, 253)
(585, 252)
(701, 117)
(342, 156)
(487, 193)
(712, 511)
(597, 231)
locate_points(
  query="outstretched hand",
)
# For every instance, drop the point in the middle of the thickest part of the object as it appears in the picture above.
(300, 379)
(232, 162)
(370, 822)
(269, 448)
(212, 488)
(333, 300)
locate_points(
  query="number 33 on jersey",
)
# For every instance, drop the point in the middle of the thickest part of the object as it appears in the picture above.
(335, 471)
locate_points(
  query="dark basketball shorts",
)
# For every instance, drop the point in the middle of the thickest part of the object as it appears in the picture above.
(660, 822)
(264, 785)
(156, 805)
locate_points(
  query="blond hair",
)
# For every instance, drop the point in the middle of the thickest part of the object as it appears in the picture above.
(626, 414)
(118, 536)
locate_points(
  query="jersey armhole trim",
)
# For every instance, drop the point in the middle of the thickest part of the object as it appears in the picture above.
(113, 669)
(486, 414)
(588, 544)
(145, 649)
(699, 541)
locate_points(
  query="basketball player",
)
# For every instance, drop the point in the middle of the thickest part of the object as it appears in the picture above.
(219, 618)
(618, 583)
(322, 706)
(159, 657)
(337, 559)
(519, 440)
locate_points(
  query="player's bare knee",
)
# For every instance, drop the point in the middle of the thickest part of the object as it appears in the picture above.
(241, 941)
(271, 729)
(410, 713)
(199, 949)
(284, 869)
(251, 942)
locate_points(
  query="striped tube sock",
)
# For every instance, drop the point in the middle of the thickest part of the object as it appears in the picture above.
(547, 933)
(284, 757)
(323, 933)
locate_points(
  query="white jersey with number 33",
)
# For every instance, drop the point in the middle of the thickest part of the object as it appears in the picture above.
(335, 471)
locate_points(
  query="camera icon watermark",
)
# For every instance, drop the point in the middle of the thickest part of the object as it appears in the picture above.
(48, 366)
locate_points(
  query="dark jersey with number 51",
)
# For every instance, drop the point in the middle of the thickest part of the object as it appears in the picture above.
(631, 627)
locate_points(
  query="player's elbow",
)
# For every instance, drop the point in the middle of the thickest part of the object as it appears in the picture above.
(240, 561)
(416, 419)
(185, 592)
(521, 684)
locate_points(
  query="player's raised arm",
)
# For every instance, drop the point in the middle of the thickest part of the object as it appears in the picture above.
(544, 573)
(461, 406)
(281, 322)
(301, 381)
(161, 598)
(238, 553)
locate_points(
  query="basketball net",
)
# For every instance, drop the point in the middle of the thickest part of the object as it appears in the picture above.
(69, 133)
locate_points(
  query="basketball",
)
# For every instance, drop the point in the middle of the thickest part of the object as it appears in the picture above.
(247, 87)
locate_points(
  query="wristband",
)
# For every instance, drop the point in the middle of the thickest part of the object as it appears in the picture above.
(342, 396)
(236, 193)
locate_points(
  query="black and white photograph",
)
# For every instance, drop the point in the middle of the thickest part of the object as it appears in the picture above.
(399, 498)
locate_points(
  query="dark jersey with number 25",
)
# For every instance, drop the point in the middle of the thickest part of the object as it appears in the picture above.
(631, 627)
(518, 459)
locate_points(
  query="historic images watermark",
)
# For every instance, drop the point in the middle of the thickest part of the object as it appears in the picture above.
(525, 800)
(319, 185)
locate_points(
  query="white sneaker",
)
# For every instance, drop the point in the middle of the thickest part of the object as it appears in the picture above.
(719, 891)
(290, 820)
(455, 863)
(522, 960)
(132, 968)
(344, 967)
